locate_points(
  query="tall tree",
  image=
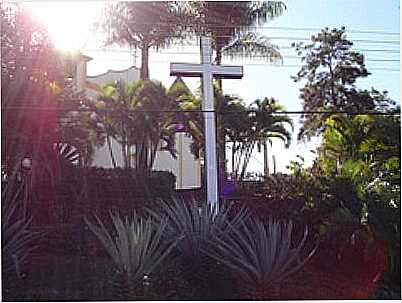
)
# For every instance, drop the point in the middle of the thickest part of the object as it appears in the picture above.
(144, 25)
(330, 69)
(29, 69)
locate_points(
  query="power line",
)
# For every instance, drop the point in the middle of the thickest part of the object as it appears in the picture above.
(298, 66)
(375, 113)
(262, 57)
(282, 28)
(262, 64)
(396, 51)
(34, 58)
(286, 38)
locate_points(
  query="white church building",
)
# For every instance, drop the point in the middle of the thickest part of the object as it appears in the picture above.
(185, 167)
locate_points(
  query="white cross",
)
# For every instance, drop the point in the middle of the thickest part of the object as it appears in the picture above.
(207, 71)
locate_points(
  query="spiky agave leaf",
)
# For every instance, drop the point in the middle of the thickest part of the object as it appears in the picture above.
(196, 224)
(17, 239)
(260, 252)
(137, 247)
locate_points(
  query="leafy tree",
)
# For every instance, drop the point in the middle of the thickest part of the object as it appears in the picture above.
(29, 75)
(139, 116)
(144, 25)
(43, 118)
(331, 68)
(366, 149)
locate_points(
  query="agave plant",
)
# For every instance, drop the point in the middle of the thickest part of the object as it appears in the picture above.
(260, 253)
(16, 238)
(136, 247)
(197, 224)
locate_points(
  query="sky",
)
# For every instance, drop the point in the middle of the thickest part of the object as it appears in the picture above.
(374, 22)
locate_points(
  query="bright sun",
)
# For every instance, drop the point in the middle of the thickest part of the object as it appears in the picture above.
(69, 24)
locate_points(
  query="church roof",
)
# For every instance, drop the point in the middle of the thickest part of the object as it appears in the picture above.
(179, 83)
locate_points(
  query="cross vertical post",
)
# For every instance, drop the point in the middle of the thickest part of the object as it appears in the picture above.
(210, 125)
(207, 71)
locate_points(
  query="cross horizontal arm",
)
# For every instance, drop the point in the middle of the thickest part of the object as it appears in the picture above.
(197, 70)
(227, 71)
(186, 69)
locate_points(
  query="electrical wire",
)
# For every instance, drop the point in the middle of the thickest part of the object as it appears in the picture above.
(108, 50)
(293, 39)
(283, 28)
(262, 57)
(375, 113)
(262, 64)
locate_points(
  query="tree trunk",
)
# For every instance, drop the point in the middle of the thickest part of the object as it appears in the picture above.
(124, 152)
(233, 159)
(222, 151)
(266, 167)
(144, 75)
(109, 145)
(218, 61)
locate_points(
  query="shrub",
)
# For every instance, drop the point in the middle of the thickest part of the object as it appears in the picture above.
(87, 191)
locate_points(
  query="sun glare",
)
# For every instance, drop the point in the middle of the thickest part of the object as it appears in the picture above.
(70, 24)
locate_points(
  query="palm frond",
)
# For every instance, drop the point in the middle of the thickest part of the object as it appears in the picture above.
(251, 45)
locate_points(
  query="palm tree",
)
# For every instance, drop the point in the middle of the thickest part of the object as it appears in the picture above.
(230, 25)
(138, 116)
(156, 122)
(271, 126)
(259, 125)
(111, 110)
(189, 102)
(144, 25)
(104, 102)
